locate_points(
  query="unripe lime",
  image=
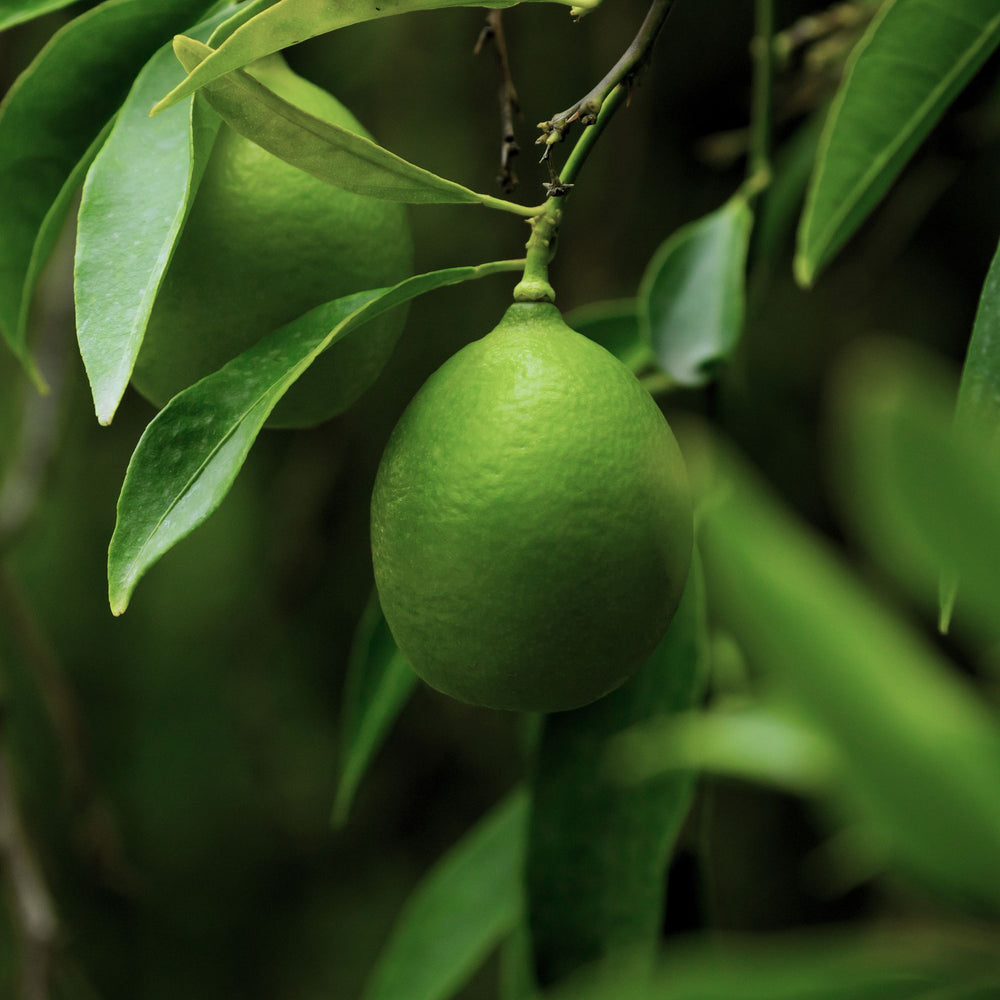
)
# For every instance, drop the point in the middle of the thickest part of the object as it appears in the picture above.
(531, 521)
(263, 244)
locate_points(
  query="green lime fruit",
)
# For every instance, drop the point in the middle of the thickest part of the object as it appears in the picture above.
(263, 244)
(531, 520)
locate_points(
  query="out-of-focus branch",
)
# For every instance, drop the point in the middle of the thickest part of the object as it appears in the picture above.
(509, 104)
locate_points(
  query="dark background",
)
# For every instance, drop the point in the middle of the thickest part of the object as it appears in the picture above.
(180, 805)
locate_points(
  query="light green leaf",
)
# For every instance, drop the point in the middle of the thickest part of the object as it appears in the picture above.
(459, 913)
(379, 683)
(691, 299)
(135, 200)
(598, 850)
(326, 151)
(18, 11)
(48, 123)
(189, 455)
(279, 25)
(615, 326)
(921, 752)
(913, 61)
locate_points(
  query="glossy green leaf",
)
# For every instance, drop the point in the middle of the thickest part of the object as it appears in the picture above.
(910, 65)
(921, 752)
(615, 326)
(277, 26)
(459, 913)
(763, 743)
(50, 118)
(189, 455)
(598, 850)
(19, 11)
(135, 200)
(692, 296)
(326, 151)
(379, 683)
(921, 490)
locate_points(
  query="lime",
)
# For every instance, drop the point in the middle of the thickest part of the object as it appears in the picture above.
(264, 243)
(531, 521)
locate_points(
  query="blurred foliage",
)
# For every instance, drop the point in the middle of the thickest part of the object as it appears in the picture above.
(180, 805)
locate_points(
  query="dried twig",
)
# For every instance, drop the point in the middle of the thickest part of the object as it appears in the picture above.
(509, 104)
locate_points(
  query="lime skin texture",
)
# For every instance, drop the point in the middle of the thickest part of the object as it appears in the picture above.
(531, 520)
(263, 244)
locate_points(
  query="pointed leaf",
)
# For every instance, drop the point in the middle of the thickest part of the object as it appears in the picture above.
(922, 754)
(691, 300)
(459, 913)
(270, 28)
(615, 326)
(326, 151)
(915, 58)
(189, 455)
(135, 200)
(598, 850)
(51, 116)
(379, 683)
(18, 11)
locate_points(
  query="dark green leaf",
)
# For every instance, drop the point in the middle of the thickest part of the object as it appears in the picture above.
(459, 913)
(691, 300)
(277, 26)
(51, 116)
(135, 200)
(190, 454)
(911, 64)
(598, 850)
(18, 11)
(331, 153)
(379, 683)
(921, 753)
(615, 326)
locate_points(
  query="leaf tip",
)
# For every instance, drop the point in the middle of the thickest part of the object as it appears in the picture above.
(805, 272)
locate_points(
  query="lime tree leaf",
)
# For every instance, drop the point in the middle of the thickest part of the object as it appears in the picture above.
(18, 11)
(598, 850)
(135, 200)
(50, 118)
(764, 743)
(615, 326)
(913, 61)
(379, 683)
(692, 295)
(272, 27)
(923, 493)
(326, 151)
(921, 752)
(189, 455)
(464, 907)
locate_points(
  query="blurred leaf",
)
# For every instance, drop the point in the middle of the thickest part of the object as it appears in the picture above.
(915, 963)
(921, 753)
(459, 913)
(923, 492)
(189, 455)
(326, 151)
(276, 26)
(691, 300)
(135, 200)
(379, 682)
(18, 11)
(517, 981)
(598, 851)
(50, 118)
(615, 326)
(913, 61)
(762, 743)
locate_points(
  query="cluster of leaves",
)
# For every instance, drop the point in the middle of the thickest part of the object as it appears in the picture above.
(851, 709)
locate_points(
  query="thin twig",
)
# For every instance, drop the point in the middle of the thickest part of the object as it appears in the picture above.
(509, 104)
(623, 72)
(32, 908)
